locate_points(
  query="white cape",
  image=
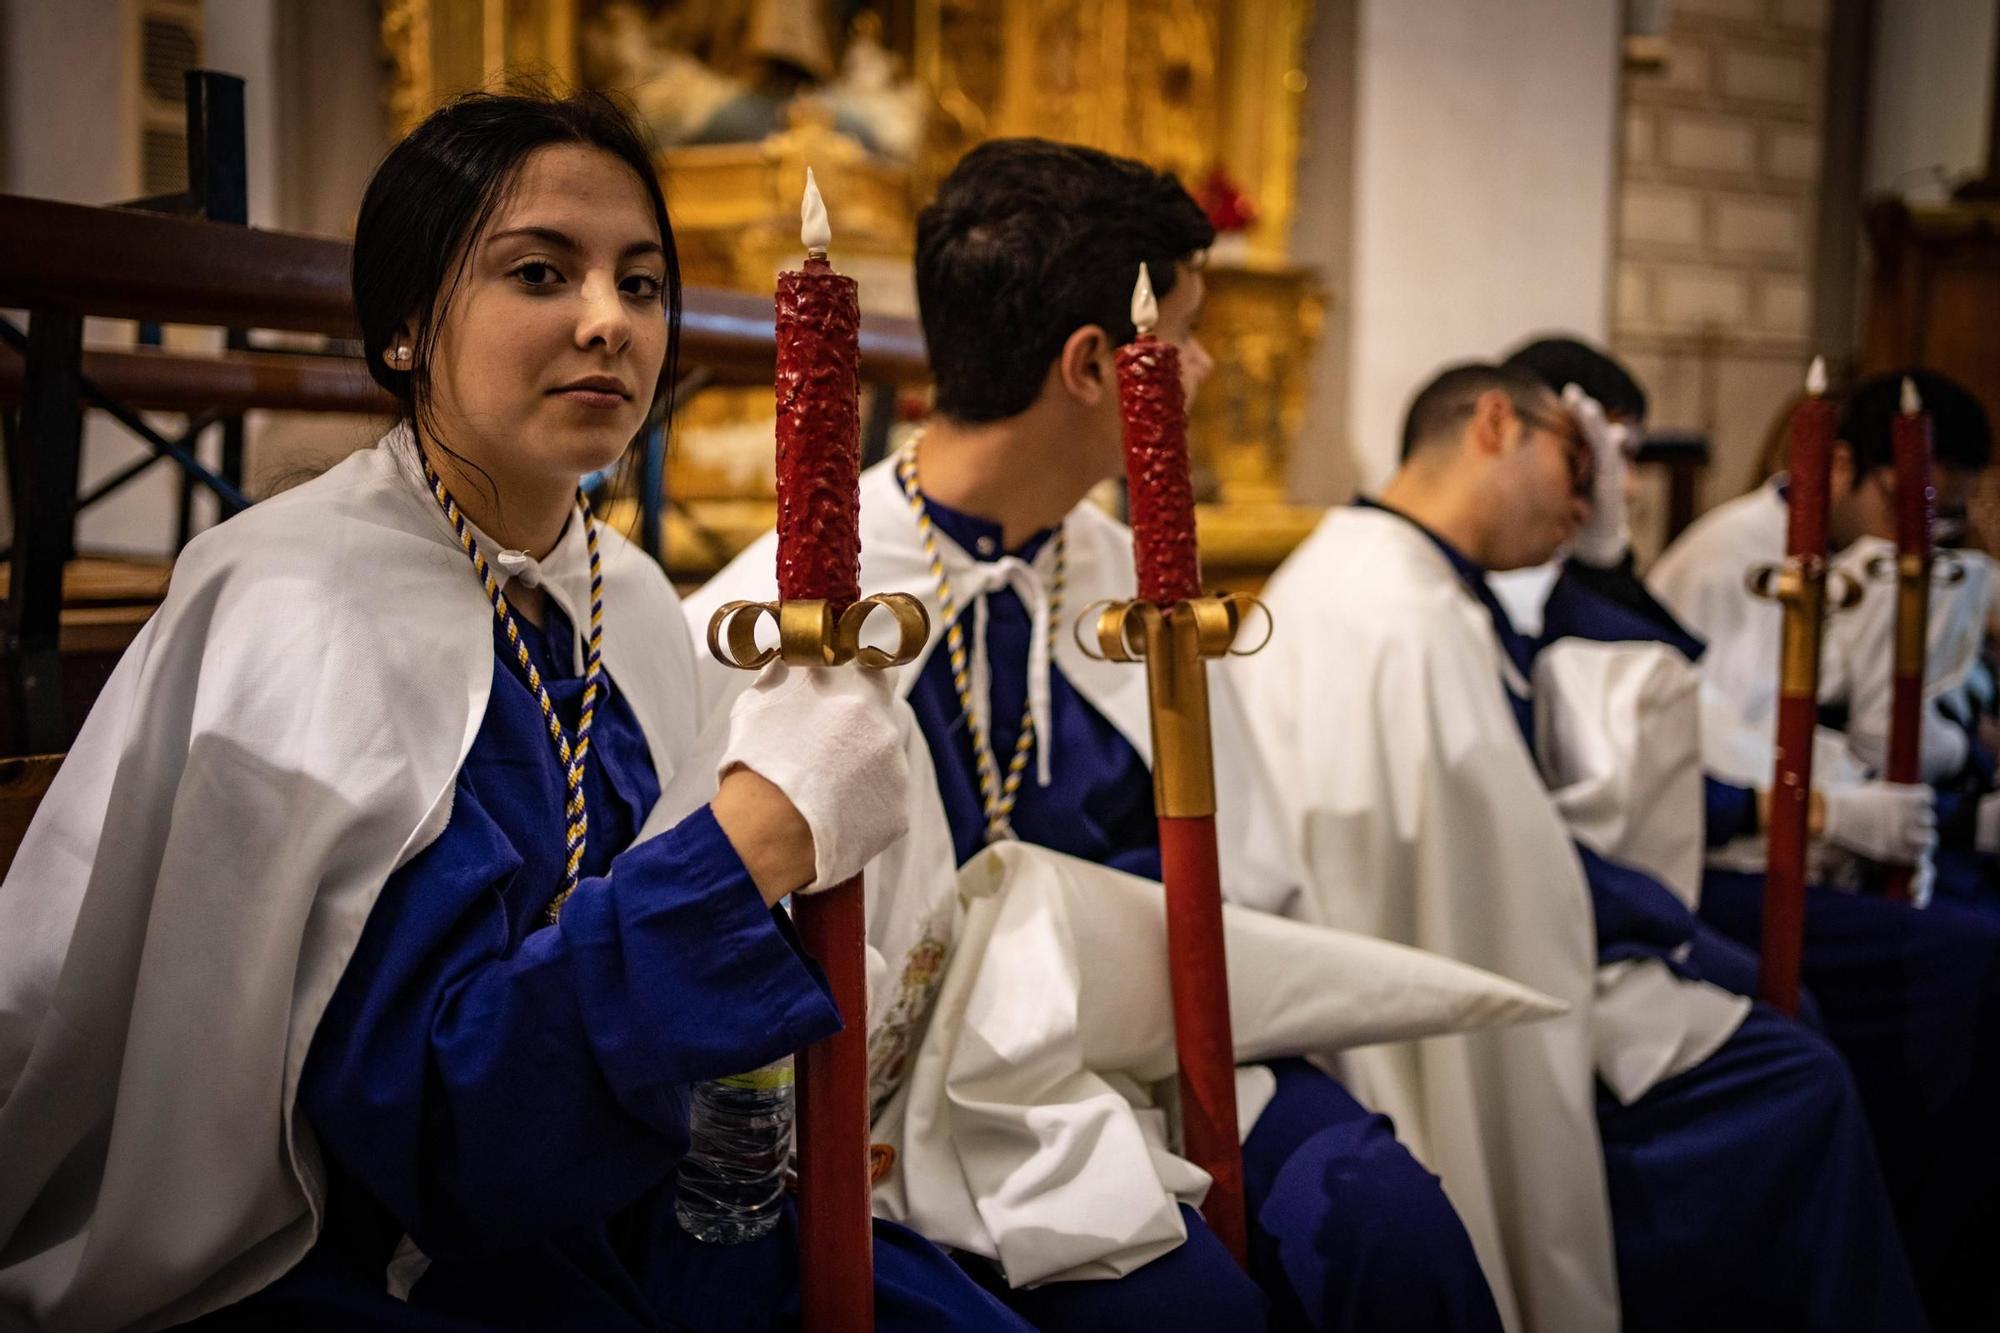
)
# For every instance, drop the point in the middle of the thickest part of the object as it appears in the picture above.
(1030, 1091)
(915, 920)
(1412, 791)
(1701, 579)
(1618, 740)
(1863, 639)
(282, 735)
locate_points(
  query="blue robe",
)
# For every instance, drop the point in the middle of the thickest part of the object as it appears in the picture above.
(1910, 997)
(1745, 1193)
(1348, 1231)
(515, 1097)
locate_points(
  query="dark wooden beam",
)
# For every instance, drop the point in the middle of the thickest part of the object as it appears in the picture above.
(131, 265)
(51, 440)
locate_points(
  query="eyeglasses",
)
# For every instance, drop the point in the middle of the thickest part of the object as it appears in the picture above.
(1575, 448)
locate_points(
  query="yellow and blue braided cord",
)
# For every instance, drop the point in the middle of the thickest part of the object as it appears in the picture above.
(997, 795)
(571, 756)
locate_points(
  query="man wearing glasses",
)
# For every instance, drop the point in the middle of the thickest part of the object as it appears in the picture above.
(1736, 1185)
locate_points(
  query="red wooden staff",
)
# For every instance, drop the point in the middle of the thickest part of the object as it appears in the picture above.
(1911, 443)
(819, 558)
(1800, 586)
(1174, 629)
(819, 614)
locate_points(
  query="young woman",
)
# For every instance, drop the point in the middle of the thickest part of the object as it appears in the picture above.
(346, 984)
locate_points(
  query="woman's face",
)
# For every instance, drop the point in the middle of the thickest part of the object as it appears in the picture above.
(545, 360)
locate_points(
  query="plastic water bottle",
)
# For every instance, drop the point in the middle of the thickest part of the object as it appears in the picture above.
(740, 1143)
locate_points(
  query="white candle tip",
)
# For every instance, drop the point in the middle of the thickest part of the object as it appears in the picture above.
(1913, 402)
(1816, 377)
(815, 232)
(1145, 310)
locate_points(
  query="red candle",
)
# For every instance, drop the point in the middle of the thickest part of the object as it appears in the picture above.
(1158, 480)
(1798, 698)
(1168, 567)
(1910, 443)
(819, 423)
(819, 557)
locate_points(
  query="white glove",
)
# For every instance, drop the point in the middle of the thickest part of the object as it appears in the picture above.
(1986, 824)
(1604, 539)
(831, 742)
(1891, 822)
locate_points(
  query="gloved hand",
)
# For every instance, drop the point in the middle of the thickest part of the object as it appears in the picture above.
(1891, 822)
(1603, 540)
(831, 742)
(1986, 824)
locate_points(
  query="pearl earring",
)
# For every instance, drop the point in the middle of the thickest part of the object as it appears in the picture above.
(398, 358)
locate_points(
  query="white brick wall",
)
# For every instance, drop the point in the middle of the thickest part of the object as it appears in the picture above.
(1761, 226)
(1710, 144)
(1753, 75)
(1720, 161)
(1742, 11)
(1691, 296)
(1660, 215)
(1791, 155)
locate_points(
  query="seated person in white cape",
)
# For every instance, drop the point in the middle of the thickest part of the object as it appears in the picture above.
(1922, 1041)
(336, 991)
(1700, 579)
(1025, 267)
(1400, 708)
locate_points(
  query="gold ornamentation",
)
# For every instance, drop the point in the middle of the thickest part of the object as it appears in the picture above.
(1176, 643)
(810, 634)
(1185, 84)
(1799, 584)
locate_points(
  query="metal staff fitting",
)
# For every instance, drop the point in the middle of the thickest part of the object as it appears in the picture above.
(811, 634)
(1906, 570)
(1173, 642)
(1799, 584)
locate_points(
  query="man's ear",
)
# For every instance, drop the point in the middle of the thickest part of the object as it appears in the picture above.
(1086, 368)
(1840, 470)
(1492, 414)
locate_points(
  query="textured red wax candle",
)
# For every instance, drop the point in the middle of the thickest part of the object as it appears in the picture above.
(1911, 449)
(819, 558)
(819, 435)
(1159, 483)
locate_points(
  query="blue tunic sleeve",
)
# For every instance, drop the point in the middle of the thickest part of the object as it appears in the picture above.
(1731, 810)
(491, 1090)
(492, 1080)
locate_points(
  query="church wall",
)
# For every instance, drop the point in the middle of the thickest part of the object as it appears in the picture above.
(1323, 469)
(1719, 163)
(1931, 87)
(1484, 144)
(68, 73)
(315, 125)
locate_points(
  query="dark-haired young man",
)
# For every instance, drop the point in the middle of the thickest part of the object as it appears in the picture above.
(1025, 267)
(1400, 705)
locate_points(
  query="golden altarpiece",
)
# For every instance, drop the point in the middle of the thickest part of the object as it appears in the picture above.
(880, 99)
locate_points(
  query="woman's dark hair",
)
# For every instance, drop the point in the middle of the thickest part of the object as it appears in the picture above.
(435, 192)
(1029, 241)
